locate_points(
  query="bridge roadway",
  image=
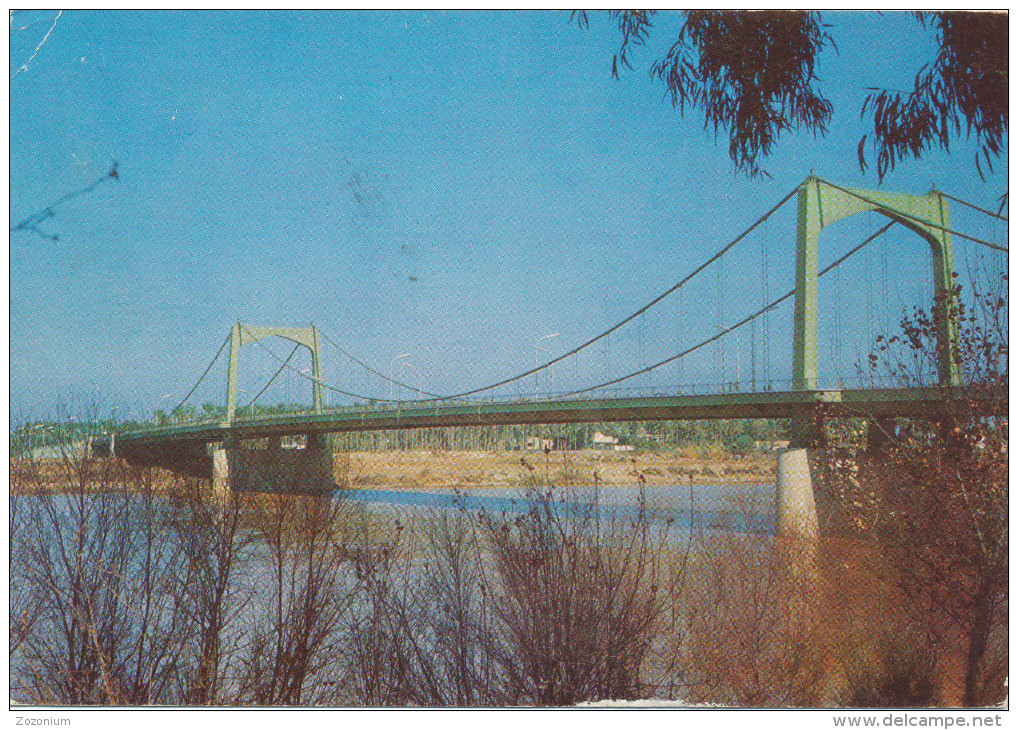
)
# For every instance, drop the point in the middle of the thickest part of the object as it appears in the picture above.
(174, 446)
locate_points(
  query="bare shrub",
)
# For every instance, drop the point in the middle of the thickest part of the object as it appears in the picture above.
(150, 590)
(579, 598)
(422, 630)
(941, 489)
(942, 526)
(25, 598)
(76, 563)
(100, 636)
(553, 607)
(378, 667)
(440, 614)
(211, 596)
(896, 668)
(470, 661)
(752, 618)
(302, 601)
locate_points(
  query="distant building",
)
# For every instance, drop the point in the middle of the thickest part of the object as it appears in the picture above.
(604, 442)
(536, 443)
(610, 443)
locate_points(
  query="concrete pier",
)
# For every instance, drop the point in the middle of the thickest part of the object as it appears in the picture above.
(220, 471)
(292, 469)
(796, 506)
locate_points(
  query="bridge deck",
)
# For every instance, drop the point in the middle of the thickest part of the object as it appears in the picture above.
(882, 402)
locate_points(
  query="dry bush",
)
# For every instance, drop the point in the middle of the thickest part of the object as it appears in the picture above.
(74, 551)
(96, 564)
(894, 668)
(114, 566)
(378, 670)
(943, 527)
(453, 616)
(212, 597)
(151, 592)
(941, 488)
(579, 598)
(25, 597)
(553, 607)
(421, 633)
(752, 613)
(303, 598)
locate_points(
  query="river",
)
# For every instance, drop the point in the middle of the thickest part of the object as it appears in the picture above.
(741, 507)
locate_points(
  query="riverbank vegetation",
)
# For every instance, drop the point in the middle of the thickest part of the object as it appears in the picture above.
(124, 593)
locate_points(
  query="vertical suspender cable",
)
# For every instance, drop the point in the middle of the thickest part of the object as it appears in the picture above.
(608, 355)
(214, 359)
(882, 252)
(868, 258)
(765, 269)
(718, 318)
(678, 342)
(839, 363)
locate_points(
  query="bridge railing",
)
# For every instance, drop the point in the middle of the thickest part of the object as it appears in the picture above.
(650, 391)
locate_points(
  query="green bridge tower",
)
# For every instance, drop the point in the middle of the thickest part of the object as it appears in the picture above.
(821, 204)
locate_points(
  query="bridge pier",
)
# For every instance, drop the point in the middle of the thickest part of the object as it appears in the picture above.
(796, 489)
(220, 471)
(273, 468)
(796, 505)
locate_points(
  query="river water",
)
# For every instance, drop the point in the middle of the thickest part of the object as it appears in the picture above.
(740, 507)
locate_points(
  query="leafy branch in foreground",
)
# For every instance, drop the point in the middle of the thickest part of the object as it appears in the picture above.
(752, 73)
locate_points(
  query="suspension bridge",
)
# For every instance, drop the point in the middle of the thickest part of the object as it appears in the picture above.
(212, 445)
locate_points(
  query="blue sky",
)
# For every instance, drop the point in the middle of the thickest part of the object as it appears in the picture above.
(453, 186)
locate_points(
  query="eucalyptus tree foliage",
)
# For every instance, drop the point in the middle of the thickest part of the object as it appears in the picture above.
(753, 75)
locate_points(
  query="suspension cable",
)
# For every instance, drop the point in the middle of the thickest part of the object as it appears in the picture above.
(974, 207)
(191, 392)
(734, 327)
(763, 311)
(721, 252)
(913, 218)
(372, 370)
(766, 328)
(317, 380)
(572, 352)
(292, 353)
(638, 312)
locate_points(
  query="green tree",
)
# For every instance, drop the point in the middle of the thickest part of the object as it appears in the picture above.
(753, 76)
(183, 414)
(212, 412)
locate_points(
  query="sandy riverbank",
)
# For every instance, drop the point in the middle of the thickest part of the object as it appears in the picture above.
(478, 469)
(482, 469)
